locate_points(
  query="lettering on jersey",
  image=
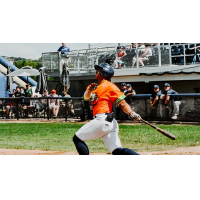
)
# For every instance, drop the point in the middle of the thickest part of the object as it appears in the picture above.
(94, 99)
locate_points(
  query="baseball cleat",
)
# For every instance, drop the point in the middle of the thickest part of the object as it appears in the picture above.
(174, 117)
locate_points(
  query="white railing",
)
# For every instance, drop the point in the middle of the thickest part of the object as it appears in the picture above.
(159, 55)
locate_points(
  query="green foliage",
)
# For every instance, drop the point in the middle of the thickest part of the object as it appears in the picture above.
(58, 137)
(23, 63)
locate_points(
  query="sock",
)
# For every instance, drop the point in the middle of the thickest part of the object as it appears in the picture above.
(80, 146)
(124, 151)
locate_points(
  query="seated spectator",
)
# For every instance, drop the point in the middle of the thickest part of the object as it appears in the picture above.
(52, 103)
(123, 87)
(10, 107)
(145, 56)
(176, 101)
(133, 46)
(141, 49)
(121, 53)
(18, 92)
(44, 101)
(14, 91)
(69, 104)
(130, 90)
(28, 91)
(154, 99)
(21, 90)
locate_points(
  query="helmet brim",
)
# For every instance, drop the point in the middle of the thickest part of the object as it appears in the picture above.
(97, 67)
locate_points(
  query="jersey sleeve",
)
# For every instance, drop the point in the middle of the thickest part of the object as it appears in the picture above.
(116, 95)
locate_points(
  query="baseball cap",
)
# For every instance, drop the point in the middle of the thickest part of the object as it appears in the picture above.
(167, 84)
(156, 86)
(123, 84)
(128, 85)
(53, 91)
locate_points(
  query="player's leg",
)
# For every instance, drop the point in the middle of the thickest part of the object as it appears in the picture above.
(112, 142)
(81, 147)
(91, 131)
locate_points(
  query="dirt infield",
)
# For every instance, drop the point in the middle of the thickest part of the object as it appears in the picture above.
(177, 151)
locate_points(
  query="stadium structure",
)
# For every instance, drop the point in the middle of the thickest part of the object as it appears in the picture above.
(176, 63)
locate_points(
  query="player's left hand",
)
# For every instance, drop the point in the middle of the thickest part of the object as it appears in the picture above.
(135, 116)
(92, 87)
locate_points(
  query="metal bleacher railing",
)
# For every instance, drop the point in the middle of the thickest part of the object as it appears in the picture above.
(163, 54)
(24, 107)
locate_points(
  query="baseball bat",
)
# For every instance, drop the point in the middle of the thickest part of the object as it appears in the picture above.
(165, 133)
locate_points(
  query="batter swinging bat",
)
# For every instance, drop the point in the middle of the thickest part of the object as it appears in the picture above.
(165, 133)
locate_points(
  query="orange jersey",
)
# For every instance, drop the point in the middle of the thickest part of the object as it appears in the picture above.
(104, 96)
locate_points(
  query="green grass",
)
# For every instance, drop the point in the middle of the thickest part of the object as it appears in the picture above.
(58, 137)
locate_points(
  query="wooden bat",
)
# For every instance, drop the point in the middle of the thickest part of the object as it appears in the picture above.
(165, 133)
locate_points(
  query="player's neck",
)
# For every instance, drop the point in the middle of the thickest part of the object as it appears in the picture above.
(101, 81)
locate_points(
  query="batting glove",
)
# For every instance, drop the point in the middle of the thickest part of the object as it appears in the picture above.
(92, 87)
(135, 116)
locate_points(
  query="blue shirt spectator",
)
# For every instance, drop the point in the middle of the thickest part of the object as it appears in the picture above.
(64, 49)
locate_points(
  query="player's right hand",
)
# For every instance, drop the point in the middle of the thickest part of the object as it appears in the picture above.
(92, 87)
(135, 116)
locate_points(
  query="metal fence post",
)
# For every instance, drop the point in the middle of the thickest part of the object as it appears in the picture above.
(66, 115)
(137, 56)
(170, 56)
(159, 54)
(48, 109)
(17, 109)
(78, 63)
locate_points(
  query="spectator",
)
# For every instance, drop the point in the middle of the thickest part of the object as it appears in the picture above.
(21, 90)
(130, 90)
(176, 101)
(155, 97)
(18, 92)
(28, 91)
(44, 101)
(14, 91)
(154, 101)
(69, 104)
(121, 53)
(123, 87)
(133, 46)
(52, 103)
(145, 56)
(9, 107)
(141, 50)
(65, 51)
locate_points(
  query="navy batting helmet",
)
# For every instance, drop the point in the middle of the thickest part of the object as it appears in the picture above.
(106, 69)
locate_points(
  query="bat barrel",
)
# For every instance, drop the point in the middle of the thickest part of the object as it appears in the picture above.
(165, 133)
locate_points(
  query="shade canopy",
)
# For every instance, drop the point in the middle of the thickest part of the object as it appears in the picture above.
(25, 71)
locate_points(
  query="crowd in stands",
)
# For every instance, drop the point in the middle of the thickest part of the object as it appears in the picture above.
(147, 54)
(32, 106)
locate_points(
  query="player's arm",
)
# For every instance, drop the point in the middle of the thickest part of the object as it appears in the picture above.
(132, 93)
(127, 109)
(155, 100)
(88, 92)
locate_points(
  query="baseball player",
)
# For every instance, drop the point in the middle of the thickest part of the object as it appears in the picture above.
(104, 126)
(176, 103)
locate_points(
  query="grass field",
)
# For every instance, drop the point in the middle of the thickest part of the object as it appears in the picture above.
(58, 137)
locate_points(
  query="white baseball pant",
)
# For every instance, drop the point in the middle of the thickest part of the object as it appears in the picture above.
(100, 128)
